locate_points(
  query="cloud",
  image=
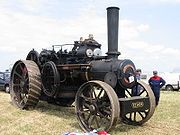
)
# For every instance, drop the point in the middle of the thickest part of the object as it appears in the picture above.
(143, 27)
(31, 5)
(8, 49)
(169, 1)
(130, 30)
(172, 52)
(22, 31)
(145, 55)
(156, 1)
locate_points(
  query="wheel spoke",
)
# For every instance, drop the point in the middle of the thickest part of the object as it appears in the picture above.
(89, 115)
(130, 116)
(15, 98)
(91, 119)
(141, 92)
(84, 111)
(105, 108)
(16, 73)
(128, 93)
(107, 111)
(91, 95)
(103, 116)
(23, 99)
(21, 90)
(23, 96)
(26, 95)
(21, 102)
(94, 93)
(86, 105)
(145, 112)
(141, 115)
(97, 122)
(86, 98)
(20, 65)
(26, 79)
(134, 116)
(16, 85)
(105, 120)
(126, 96)
(100, 93)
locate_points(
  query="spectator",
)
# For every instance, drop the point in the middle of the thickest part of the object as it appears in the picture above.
(156, 83)
(137, 88)
(138, 74)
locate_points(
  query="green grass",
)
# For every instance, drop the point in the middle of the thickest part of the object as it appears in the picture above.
(48, 119)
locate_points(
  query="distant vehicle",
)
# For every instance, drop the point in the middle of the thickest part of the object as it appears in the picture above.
(172, 80)
(145, 77)
(4, 81)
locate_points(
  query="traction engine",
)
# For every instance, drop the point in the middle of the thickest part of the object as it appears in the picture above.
(101, 87)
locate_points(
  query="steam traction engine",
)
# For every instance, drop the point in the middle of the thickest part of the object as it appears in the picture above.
(101, 86)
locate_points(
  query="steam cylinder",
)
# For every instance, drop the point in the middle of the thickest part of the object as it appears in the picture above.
(113, 72)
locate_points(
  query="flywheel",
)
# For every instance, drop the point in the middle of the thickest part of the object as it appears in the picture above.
(50, 78)
(34, 56)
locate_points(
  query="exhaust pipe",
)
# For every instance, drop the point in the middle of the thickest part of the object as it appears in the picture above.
(112, 26)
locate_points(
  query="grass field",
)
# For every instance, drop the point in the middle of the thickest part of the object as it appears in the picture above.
(48, 119)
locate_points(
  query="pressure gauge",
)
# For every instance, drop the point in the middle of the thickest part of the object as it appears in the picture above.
(97, 52)
(89, 52)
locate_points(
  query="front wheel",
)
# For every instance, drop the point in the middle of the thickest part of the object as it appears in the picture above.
(97, 106)
(140, 117)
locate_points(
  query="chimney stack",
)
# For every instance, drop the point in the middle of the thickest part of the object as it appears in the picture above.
(113, 24)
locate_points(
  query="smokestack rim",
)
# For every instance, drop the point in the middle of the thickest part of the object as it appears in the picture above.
(112, 8)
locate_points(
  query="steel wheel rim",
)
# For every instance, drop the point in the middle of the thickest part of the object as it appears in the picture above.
(138, 118)
(25, 86)
(98, 108)
(20, 76)
(50, 78)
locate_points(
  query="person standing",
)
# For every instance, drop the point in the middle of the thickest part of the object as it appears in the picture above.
(136, 89)
(156, 82)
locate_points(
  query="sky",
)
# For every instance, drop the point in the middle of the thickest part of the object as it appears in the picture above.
(149, 30)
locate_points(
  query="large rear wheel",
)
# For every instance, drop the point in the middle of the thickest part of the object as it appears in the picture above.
(25, 84)
(97, 106)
